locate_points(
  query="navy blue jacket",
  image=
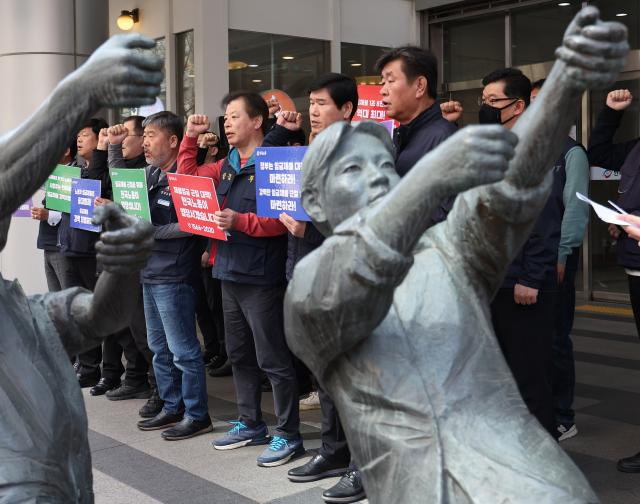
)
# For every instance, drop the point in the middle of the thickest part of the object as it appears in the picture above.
(300, 247)
(623, 157)
(243, 258)
(535, 265)
(176, 255)
(417, 138)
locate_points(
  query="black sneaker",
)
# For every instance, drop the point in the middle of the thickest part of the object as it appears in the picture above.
(187, 428)
(216, 362)
(103, 386)
(348, 489)
(223, 370)
(88, 380)
(317, 468)
(153, 406)
(629, 464)
(161, 421)
(125, 391)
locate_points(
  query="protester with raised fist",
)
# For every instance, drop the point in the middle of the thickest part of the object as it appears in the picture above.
(451, 110)
(251, 267)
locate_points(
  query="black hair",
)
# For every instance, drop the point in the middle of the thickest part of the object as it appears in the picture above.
(166, 121)
(254, 105)
(341, 88)
(537, 84)
(73, 147)
(95, 124)
(416, 62)
(516, 84)
(138, 129)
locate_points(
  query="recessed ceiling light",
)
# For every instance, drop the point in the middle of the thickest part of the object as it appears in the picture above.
(564, 4)
(237, 65)
(356, 64)
(621, 14)
(256, 80)
(253, 65)
(287, 57)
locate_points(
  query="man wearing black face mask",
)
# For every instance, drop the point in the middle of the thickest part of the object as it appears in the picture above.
(524, 309)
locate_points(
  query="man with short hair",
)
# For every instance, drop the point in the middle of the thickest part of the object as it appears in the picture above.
(169, 298)
(524, 309)
(251, 267)
(409, 94)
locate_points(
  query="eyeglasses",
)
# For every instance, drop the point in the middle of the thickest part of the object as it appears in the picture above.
(492, 101)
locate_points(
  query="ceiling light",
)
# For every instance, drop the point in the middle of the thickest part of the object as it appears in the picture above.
(356, 64)
(256, 80)
(287, 57)
(237, 65)
(564, 4)
(253, 65)
(621, 14)
(127, 19)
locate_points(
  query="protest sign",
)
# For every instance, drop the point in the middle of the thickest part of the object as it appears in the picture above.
(195, 201)
(278, 179)
(83, 195)
(58, 188)
(370, 107)
(130, 190)
(24, 210)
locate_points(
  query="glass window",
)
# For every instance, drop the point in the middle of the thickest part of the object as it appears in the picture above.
(359, 61)
(262, 61)
(186, 96)
(527, 25)
(473, 48)
(624, 11)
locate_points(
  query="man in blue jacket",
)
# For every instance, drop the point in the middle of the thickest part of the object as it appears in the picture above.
(169, 298)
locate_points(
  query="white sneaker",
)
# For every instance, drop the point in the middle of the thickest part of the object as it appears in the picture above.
(311, 402)
(567, 431)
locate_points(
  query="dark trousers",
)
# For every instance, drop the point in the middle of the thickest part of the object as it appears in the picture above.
(564, 371)
(53, 269)
(133, 342)
(334, 441)
(634, 294)
(525, 334)
(253, 319)
(81, 272)
(209, 314)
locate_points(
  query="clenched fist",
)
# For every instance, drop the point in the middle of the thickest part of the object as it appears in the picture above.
(103, 139)
(619, 99)
(290, 120)
(451, 110)
(197, 124)
(117, 133)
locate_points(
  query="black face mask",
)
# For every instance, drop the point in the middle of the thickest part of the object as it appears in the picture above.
(491, 115)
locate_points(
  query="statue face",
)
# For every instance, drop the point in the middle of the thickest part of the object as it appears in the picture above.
(362, 172)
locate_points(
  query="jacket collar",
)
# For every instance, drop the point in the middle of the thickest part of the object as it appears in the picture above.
(234, 160)
(403, 133)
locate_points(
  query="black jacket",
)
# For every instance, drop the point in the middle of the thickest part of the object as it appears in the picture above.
(176, 255)
(623, 157)
(297, 248)
(420, 136)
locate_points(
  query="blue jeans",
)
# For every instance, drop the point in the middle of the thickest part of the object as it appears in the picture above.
(564, 373)
(169, 310)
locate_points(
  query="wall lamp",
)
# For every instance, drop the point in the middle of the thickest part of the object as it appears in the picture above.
(127, 19)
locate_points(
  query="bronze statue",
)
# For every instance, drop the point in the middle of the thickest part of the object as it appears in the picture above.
(393, 318)
(44, 452)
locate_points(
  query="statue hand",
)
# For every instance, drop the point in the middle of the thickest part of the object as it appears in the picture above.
(118, 75)
(126, 242)
(474, 156)
(593, 50)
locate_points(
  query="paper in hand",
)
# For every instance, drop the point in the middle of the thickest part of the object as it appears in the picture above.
(605, 214)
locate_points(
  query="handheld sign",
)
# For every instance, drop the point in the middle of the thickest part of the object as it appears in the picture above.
(83, 195)
(130, 191)
(278, 179)
(195, 201)
(58, 188)
(370, 107)
(24, 210)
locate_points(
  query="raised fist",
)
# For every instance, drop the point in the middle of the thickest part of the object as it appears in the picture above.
(206, 140)
(475, 155)
(290, 120)
(103, 139)
(274, 106)
(117, 75)
(619, 99)
(197, 124)
(594, 51)
(126, 242)
(451, 110)
(117, 134)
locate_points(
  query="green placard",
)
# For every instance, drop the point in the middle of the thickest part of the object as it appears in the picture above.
(130, 190)
(58, 188)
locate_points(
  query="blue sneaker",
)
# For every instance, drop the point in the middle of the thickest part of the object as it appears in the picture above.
(241, 435)
(281, 451)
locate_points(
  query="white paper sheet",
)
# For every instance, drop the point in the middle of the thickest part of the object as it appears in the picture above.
(605, 214)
